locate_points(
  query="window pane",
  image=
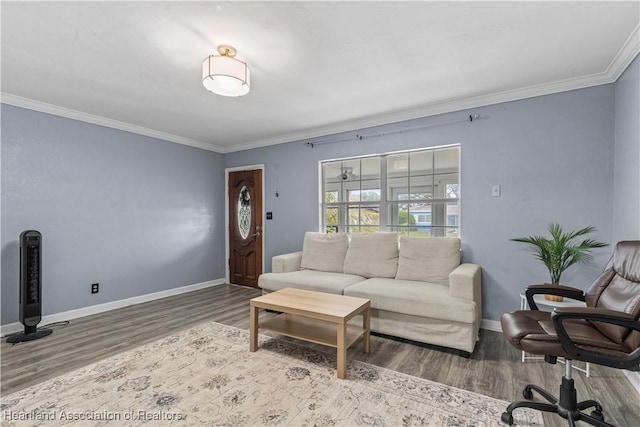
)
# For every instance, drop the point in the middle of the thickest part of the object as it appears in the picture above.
(452, 232)
(452, 191)
(363, 229)
(244, 212)
(413, 231)
(331, 216)
(443, 183)
(419, 218)
(364, 215)
(453, 218)
(421, 187)
(420, 232)
(398, 188)
(370, 190)
(351, 170)
(446, 160)
(405, 215)
(332, 229)
(354, 215)
(422, 218)
(330, 196)
(331, 172)
(398, 165)
(369, 215)
(372, 195)
(392, 214)
(403, 231)
(353, 195)
(370, 168)
(421, 163)
(449, 178)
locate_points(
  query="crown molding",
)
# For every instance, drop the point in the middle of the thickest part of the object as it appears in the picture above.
(433, 109)
(618, 65)
(43, 107)
(625, 55)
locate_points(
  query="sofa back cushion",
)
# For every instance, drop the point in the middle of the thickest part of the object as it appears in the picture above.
(428, 259)
(372, 255)
(324, 252)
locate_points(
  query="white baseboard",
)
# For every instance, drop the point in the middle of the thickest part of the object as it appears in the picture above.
(100, 308)
(491, 325)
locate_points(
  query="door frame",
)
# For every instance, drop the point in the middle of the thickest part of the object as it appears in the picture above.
(227, 275)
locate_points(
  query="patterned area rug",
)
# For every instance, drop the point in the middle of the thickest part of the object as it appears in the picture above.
(207, 376)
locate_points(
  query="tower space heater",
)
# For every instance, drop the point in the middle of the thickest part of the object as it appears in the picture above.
(30, 287)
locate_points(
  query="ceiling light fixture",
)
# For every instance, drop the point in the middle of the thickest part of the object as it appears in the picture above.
(225, 75)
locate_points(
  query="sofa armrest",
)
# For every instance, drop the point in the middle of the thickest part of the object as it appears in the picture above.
(465, 282)
(286, 262)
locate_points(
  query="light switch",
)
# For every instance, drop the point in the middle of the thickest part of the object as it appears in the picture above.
(495, 191)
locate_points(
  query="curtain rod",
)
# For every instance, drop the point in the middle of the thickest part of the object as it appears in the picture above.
(359, 137)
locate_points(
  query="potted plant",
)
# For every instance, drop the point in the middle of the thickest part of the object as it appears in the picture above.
(562, 250)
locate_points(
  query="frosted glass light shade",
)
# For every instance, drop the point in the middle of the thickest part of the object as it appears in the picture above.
(225, 76)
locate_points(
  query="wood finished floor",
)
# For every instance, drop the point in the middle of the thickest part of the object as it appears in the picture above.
(494, 369)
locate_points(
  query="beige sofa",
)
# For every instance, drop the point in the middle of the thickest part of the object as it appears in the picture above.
(418, 288)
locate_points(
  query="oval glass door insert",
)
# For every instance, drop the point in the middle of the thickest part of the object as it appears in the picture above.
(244, 212)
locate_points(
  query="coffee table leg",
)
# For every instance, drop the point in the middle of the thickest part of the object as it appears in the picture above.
(342, 350)
(253, 328)
(366, 325)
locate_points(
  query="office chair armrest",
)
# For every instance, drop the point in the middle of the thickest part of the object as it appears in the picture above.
(629, 361)
(547, 288)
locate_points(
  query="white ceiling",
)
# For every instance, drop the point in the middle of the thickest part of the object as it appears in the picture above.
(316, 67)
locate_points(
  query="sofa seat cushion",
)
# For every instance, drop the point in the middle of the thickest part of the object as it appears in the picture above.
(415, 298)
(372, 255)
(321, 281)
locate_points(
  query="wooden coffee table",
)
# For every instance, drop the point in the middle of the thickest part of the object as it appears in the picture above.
(316, 317)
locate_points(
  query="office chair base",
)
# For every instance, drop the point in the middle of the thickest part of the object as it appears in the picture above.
(567, 407)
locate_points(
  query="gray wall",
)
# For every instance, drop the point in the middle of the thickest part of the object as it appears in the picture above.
(626, 192)
(136, 214)
(155, 210)
(552, 155)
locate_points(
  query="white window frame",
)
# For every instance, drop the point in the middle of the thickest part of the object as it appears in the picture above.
(439, 219)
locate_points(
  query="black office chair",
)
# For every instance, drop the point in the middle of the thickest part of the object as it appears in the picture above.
(606, 332)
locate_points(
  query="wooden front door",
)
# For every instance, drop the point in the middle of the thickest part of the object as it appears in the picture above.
(245, 227)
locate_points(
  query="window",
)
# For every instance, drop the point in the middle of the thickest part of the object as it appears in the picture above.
(351, 191)
(423, 219)
(413, 192)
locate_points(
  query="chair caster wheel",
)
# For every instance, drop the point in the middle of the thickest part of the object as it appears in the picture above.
(597, 415)
(507, 418)
(527, 393)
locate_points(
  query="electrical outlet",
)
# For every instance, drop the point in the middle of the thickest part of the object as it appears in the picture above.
(95, 287)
